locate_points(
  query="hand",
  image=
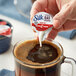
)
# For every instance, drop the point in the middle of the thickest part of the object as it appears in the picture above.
(63, 11)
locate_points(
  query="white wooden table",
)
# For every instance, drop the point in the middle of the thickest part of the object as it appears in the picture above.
(23, 31)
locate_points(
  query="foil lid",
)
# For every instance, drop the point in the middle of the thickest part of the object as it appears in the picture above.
(5, 30)
(3, 23)
(42, 21)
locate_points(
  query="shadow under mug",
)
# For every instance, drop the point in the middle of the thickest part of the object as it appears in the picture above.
(49, 69)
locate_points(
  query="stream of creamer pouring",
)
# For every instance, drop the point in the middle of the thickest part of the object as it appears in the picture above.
(42, 23)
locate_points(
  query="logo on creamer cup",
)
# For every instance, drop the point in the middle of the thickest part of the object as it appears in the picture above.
(42, 21)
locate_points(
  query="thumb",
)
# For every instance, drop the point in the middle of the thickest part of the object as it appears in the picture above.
(60, 18)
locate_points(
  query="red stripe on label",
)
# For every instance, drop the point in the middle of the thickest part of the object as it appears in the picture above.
(42, 27)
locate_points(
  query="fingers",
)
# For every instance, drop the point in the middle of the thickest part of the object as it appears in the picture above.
(73, 13)
(60, 18)
(69, 25)
(38, 6)
(34, 9)
(52, 7)
(44, 6)
(53, 33)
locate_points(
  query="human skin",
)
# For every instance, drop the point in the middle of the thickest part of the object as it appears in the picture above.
(63, 11)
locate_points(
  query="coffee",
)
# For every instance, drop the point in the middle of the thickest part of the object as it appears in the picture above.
(44, 54)
(30, 53)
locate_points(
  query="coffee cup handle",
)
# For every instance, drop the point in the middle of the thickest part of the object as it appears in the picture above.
(73, 63)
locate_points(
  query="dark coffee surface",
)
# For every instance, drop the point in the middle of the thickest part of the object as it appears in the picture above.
(31, 53)
(44, 54)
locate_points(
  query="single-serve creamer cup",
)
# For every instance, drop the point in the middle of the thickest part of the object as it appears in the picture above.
(6, 30)
(42, 23)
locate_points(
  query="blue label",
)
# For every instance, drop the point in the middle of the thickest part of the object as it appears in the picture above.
(38, 17)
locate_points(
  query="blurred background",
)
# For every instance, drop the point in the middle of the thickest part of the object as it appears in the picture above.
(20, 10)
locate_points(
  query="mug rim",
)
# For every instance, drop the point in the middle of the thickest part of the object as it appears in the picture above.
(52, 63)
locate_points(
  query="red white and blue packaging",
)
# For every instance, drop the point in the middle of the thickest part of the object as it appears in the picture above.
(42, 23)
(6, 30)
